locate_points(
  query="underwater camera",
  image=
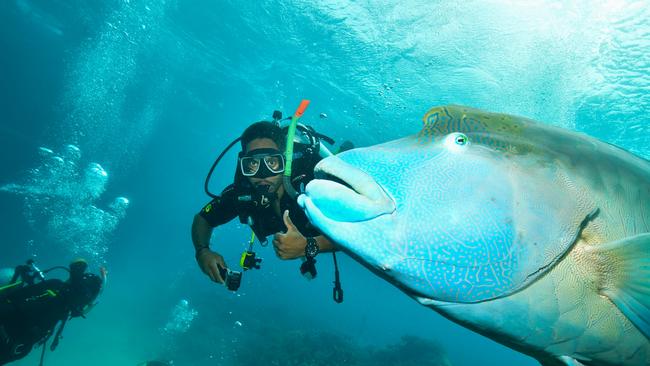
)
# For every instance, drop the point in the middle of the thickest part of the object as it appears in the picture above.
(232, 279)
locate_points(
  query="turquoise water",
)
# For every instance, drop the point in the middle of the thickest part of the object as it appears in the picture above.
(149, 92)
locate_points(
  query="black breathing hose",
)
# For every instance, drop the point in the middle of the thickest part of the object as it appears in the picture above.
(207, 178)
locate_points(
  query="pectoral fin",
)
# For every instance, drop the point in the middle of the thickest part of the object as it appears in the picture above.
(625, 266)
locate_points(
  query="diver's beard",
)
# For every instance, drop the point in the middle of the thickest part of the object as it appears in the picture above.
(271, 186)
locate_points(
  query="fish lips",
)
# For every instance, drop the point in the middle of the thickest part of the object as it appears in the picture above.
(344, 193)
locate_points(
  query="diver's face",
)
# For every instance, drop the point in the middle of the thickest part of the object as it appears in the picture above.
(274, 182)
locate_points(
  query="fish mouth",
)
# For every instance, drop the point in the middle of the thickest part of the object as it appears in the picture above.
(342, 192)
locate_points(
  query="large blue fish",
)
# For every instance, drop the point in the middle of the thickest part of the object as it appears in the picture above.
(534, 236)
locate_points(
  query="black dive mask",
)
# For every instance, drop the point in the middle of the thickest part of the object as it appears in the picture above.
(262, 163)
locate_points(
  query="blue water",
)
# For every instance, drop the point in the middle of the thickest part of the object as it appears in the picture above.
(153, 90)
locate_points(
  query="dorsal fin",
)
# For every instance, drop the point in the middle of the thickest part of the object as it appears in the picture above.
(499, 131)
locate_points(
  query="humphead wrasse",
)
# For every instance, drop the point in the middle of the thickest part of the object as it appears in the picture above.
(532, 235)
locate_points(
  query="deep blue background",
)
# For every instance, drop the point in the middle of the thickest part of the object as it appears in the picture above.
(153, 90)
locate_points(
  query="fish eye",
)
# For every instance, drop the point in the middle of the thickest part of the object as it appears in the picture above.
(456, 141)
(460, 139)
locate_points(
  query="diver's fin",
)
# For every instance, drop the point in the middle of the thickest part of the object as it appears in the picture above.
(570, 361)
(560, 361)
(626, 263)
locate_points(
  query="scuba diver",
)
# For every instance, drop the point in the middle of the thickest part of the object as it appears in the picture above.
(31, 306)
(263, 196)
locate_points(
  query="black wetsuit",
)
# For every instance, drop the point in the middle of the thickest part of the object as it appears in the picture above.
(265, 221)
(28, 315)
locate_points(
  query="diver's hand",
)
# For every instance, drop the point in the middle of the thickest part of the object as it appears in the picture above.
(291, 244)
(208, 261)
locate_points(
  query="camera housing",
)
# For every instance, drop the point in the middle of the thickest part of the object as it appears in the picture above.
(232, 279)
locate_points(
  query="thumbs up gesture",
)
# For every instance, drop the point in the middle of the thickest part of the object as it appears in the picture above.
(290, 244)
